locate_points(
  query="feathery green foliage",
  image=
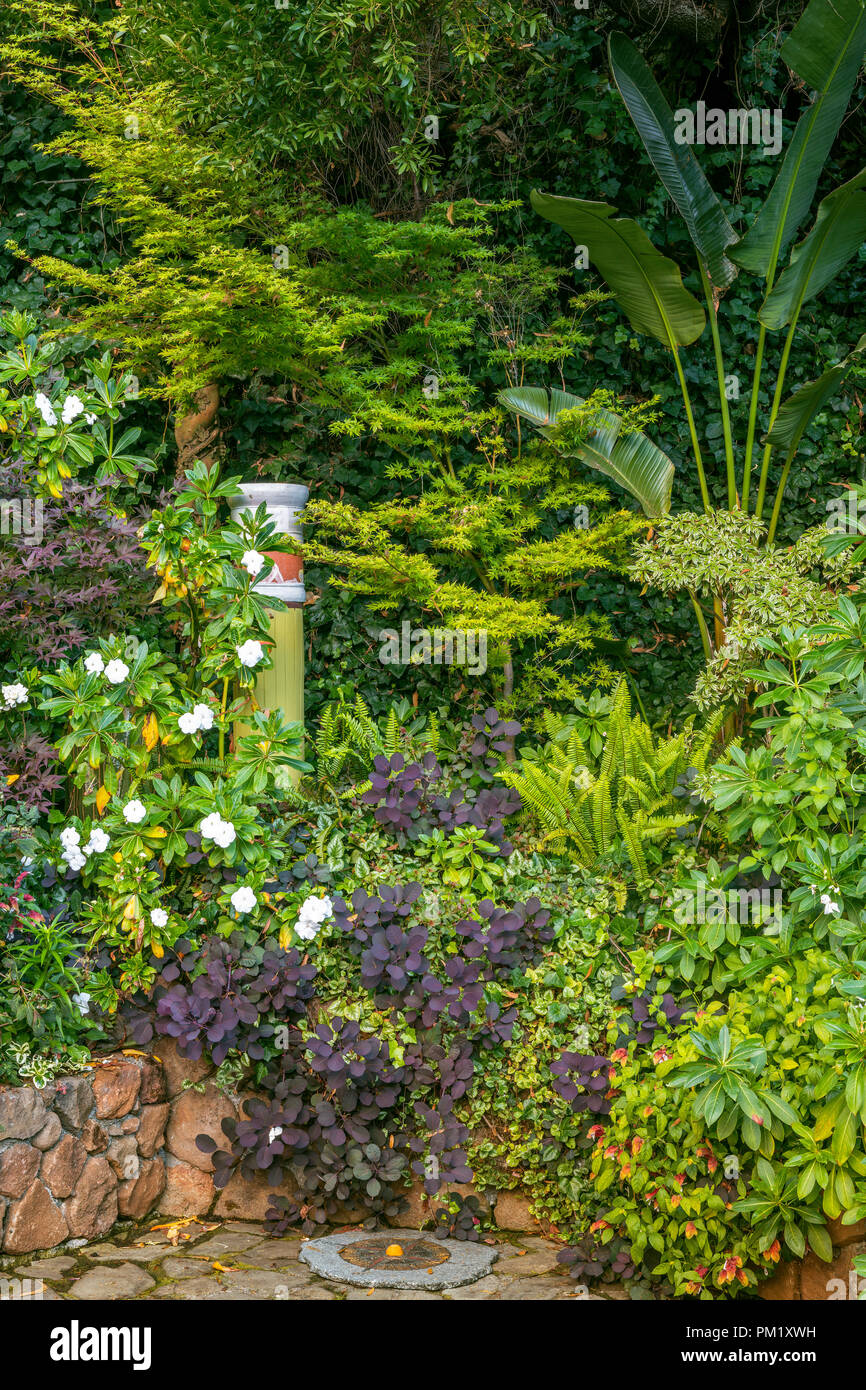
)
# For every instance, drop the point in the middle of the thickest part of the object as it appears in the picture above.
(630, 794)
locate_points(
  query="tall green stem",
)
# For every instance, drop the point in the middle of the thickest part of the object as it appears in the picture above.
(692, 430)
(753, 418)
(723, 399)
(780, 493)
(222, 735)
(702, 624)
(774, 410)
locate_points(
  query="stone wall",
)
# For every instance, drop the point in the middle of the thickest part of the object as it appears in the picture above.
(813, 1281)
(79, 1153)
(119, 1141)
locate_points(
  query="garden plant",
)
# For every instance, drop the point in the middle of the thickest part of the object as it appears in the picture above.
(544, 901)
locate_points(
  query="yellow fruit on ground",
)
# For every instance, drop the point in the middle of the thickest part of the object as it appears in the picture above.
(394, 1251)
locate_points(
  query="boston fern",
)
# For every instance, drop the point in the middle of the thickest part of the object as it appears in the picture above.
(630, 795)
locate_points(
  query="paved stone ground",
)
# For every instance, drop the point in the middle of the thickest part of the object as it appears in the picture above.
(236, 1260)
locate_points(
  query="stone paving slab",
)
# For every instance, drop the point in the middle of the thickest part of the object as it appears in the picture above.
(463, 1262)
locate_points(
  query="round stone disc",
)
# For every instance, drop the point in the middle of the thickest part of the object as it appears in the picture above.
(360, 1258)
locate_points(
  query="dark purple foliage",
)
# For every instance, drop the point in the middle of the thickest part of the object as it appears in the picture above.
(583, 1080)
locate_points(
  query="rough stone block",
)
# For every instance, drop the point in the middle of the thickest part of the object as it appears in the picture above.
(153, 1087)
(136, 1196)
(63, 1166)
(19, 1165)
(33, 1222)
(22, 1112)
(177, 1069)
(246, 1199)
(92, 1209)
(115, 1088)
(784, 1285)
(73, 1100)
(188, 1191)
(48, 1134)
(94, 1137)
(151, 1129)
(194, 1113)
(122, 1154)
(512, 1213)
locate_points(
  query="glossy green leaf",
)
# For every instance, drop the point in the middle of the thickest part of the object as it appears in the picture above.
(647, 285)
(821, 1243)
(825, 49)
(633, 461)
(839, 230)
(800, 409)
(674, 163)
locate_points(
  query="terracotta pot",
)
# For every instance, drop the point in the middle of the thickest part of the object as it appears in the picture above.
(284, 502)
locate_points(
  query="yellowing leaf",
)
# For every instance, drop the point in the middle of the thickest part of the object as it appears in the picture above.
(103, 796)
(157, 950)
(285, 937)
(12, 777)
(158, 832)
(150, 732)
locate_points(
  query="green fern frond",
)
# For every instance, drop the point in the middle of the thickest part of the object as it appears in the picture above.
(633, 848)
(391, 736)
(602, 815)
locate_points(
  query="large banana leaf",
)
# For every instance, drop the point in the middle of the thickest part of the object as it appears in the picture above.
(647, 285)
(633, 461)
(800, 409)
(826, 49)
(675, 164)
(839, 230)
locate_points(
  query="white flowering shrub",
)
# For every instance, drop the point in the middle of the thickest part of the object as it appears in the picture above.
(55, 427)
(170, 757)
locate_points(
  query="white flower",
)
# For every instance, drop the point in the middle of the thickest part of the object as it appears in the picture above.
(72, 407)
(274, 1133)
(204, 715)
(82, 1002)
(250, 653)
(14, 695)
(93, 664)
(210, 824)
(70, 836)
(253, 561)
(91, 419)
(225, 834)
(98, 842)
(831, 909)
(200, 717)
(313, 912)
(134, 811)
(159, 917)
(243, 899)
(45, 408)
(116, 671)
(74, 858)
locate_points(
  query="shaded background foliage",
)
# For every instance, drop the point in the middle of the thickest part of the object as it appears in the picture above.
(523, 101)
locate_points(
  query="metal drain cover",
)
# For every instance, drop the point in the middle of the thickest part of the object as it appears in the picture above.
(356, 1257)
